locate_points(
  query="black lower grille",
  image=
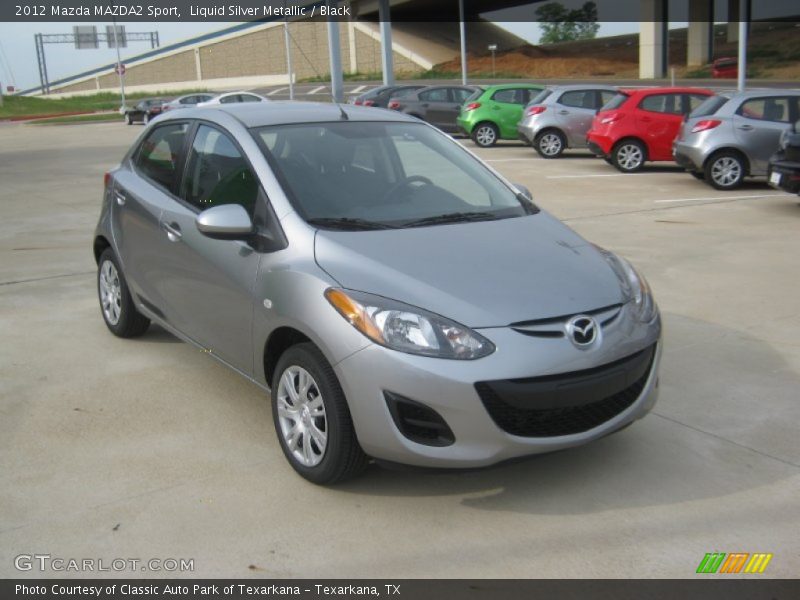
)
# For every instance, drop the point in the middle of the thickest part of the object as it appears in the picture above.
(419, 423)
(566, 404)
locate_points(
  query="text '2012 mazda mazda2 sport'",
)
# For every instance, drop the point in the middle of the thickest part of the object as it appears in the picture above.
(399, 299)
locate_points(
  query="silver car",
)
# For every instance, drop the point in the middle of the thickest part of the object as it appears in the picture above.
(559, 117)
(396, 297)
(732, 135)
(187, 101)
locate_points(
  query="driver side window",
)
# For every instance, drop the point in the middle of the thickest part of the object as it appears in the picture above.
(216, 173)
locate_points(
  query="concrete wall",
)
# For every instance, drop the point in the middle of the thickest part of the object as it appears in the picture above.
(256, 55)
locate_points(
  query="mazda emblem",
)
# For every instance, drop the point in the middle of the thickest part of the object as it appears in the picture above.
(582, 330)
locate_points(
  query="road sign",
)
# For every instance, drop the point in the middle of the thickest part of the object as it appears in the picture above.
(119, 69)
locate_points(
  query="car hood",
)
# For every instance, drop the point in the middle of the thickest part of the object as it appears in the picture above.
(480, 274)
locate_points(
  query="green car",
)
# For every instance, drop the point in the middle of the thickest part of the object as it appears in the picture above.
(493, 113)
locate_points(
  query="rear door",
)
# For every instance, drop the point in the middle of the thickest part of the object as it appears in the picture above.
(435, 105)
(658, 119)
(209, 288)
(575, 110)
(508, 105)
(142, 189)
(759, 123)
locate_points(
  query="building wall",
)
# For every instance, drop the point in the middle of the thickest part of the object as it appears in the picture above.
(368, 56)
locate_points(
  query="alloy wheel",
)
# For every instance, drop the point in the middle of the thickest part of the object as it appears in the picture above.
(630, 157)
(726, 171)
(485, 135)
(301, 415)
(550, 144)
(110, 292)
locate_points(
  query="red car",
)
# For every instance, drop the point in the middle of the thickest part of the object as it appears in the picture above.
(725, 68)
(639, 125)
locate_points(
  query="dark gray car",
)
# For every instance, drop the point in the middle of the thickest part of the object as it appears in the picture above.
(379, 97)
(438, 105)
(394, 296)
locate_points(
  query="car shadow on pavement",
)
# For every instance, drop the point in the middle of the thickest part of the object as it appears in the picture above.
(701, 441)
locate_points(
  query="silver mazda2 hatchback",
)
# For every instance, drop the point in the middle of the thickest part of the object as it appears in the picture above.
(398, 298)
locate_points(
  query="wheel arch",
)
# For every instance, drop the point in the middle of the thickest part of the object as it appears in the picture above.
(553, 129)
(632, 138)
(99, 246)
(732, 149)
(278, 342)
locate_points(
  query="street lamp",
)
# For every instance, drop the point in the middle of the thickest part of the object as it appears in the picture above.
(493, 49)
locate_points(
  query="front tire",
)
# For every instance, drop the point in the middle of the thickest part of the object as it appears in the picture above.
(116, 304)
(312, 418)
(485, 134)
(550, 144)
(128, 119)
(628, 156)
(725, 171)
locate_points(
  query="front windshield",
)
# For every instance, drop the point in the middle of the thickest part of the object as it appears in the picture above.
(383, 174)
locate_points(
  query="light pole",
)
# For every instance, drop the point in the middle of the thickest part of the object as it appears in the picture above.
(493, 49)
(119, 68)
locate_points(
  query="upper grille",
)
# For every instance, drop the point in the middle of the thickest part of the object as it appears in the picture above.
(569, 403)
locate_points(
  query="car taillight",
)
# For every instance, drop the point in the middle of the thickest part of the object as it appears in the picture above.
(369, 103)
(357, 102)
(705, 125)
(536, 110)
(612, 118)
(472, 106)
(394, 104)
(106, 179)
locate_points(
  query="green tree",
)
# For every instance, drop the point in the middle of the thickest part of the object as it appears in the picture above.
(559, 24)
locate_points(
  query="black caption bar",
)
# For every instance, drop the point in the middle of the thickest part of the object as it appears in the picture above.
(407, 589)
(406, 11)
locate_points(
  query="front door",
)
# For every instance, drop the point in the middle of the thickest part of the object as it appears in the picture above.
(211, 283)
(658, 119)
(759, 123)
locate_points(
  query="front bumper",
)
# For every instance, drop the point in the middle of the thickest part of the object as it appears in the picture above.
(449, 388)
(526, 133)
(599, 145)
(784, 175)
(688, 156)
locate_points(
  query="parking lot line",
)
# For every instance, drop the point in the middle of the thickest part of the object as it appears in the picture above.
(716, 198)
(598, 175)
(316, 90)
(276, 91)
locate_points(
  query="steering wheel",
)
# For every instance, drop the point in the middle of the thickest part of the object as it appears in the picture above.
(400, 185)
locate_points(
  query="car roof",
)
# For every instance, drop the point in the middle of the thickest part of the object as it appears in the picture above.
(757, 93)
(260, 114)
(585, 86)
(666, 90)
(506, 86)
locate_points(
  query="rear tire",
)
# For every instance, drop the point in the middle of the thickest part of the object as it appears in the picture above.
(312, 419)
(116, 304)
(550, 143)
(485, 134)
(628, 156)
(725, 170)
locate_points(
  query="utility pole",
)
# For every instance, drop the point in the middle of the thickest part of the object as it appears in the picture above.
(744, 18)
(288, 58)
(119, 68)
(463, 32)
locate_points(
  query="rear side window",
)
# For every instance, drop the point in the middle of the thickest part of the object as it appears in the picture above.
(158, 155)
(216, 173)
(403, 93)
(766, 109)
(615, 102)
(460, 94)
(437, 95)
(695, 100)
(606, 96)
(248, 98)
(578, 99)
(512, 96)
(230, 99)
(541, 97)
(709, 106)
(662, 103)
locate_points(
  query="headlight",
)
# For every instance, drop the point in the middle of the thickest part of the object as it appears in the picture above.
(407, 328)
(634, 287)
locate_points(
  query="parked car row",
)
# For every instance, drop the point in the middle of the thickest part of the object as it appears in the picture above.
(149, 108)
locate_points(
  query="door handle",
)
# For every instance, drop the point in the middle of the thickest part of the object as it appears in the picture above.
(563, 112)
(173, 231)
(120, 198)
(746, 127)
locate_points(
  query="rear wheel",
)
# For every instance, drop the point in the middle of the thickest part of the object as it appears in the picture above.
(116, 304)
(550, 143)
(628, 156)
(485, 134)
(725, 171)
(312, 419)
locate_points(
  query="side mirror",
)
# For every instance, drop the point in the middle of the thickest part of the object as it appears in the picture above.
(523, 190)
(226, 222)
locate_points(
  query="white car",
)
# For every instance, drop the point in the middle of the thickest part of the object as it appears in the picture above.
(233, 98)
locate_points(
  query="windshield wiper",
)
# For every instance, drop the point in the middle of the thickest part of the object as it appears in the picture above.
(454, 217)
(346, 223)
